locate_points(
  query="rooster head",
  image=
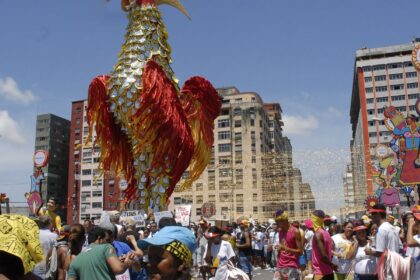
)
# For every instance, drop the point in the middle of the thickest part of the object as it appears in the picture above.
(126, 5)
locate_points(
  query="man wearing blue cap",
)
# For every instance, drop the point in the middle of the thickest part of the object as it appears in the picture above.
(170, 253)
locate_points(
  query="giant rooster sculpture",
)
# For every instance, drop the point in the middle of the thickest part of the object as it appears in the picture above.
(150, 132)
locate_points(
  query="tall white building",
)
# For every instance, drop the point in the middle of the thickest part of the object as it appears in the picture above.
(242, 179)
(383, 76)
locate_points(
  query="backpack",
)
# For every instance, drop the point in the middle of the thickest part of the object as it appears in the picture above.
(52, 262)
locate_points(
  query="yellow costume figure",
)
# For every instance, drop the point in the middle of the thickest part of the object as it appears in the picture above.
(50, 211)
(19, 237)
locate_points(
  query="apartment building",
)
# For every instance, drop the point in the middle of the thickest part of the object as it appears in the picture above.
(52, 135)
(383, 76)
(248, 155)
(89, 191)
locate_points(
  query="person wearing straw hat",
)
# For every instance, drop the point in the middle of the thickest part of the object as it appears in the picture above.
(170, 253)
(244, 246)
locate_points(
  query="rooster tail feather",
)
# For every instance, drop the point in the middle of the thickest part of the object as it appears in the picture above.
(201, 105)
(161, 123)
(115, 156)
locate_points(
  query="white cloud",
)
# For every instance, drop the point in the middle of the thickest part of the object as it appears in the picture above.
(9, 90)
(299, 125)
(334, 112)
(9, 129)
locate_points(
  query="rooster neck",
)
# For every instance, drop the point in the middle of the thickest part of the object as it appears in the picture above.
(145, 39)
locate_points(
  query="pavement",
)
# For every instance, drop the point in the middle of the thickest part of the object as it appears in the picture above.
(258, 274)
(262, 274)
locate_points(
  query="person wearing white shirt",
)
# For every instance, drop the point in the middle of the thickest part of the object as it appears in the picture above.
(48, 240)
(218, 253)
(387, 237)
(364, 265)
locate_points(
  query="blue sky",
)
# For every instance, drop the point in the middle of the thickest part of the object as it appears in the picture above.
(298, 53)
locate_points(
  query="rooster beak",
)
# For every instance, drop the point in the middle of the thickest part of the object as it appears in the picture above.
(125, 4)
(175, 4)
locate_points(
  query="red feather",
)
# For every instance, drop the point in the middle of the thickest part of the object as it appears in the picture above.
(162, 126)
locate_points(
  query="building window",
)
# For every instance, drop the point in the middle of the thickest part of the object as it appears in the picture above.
(397, 87)
(239, 198)
(238, 148)
(97, 205)
(414, 96)
(411, 74)
(394, 65)
(198, 211)
(86, 171)
(225, 172)
(382, 99)
(97, 194)
(372, 134)
(412, 85)
(367, 68)
(238, 123)
(379, 67)
(369, 90)
(398, 97)
(86, 183)
(380, 78)
(368, 79)
(254, 197)
(237, 111)
(395, 76)
(223, 123)
(255, 209)
(381, 89)
(223, 135)
(380, 110)
(239, 210)
(225, 160)
(199, 199)
(408, 64)
(225, 197)
(199, 186)
(225, 148)
(212, 198)
(177, 200)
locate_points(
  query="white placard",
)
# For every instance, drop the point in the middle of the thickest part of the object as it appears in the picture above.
(160, 215)
(182, 215)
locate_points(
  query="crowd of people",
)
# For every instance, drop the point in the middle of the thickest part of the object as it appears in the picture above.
(378, 246)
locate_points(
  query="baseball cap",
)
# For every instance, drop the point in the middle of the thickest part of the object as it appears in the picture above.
(319, 213)
(416, 211)
(169, 234)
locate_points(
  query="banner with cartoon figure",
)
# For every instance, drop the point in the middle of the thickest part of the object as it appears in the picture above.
(34, 198)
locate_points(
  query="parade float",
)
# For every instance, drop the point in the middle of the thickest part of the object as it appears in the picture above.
(150, 131)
